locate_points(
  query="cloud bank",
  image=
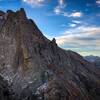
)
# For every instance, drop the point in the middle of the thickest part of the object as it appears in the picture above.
(82, 38)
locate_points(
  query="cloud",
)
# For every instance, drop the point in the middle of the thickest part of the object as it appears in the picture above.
(34, 2)
(73, 14)
(72, 25)
(82, 39)
(59, 11)
(98, 1)
(59, 8)
(61, 2)
(76, 14)
(80, 33)
(76, 21)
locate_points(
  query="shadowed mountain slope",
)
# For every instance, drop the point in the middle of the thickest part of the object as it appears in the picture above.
(37, 69)
(93, 59)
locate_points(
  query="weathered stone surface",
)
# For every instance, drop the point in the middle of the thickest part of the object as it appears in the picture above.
(37, 69)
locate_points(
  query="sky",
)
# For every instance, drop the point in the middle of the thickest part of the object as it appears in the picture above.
(74, 23)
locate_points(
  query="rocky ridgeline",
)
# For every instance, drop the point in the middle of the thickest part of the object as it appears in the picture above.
(93, 59)
(35, 68)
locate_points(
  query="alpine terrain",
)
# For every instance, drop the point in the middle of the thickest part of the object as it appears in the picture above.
(34, 68)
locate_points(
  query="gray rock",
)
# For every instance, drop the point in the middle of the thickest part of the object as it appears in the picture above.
(28, 61)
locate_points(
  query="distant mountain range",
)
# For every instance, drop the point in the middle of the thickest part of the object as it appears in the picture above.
(34, 68)
(93, 59)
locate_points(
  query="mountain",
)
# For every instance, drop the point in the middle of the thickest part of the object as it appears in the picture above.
(5, 92)
(93, 59)
(36, 68)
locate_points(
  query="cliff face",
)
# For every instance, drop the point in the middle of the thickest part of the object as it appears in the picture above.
(37, 69)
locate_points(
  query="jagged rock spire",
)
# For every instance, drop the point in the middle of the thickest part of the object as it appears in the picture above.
(22, 13)
(19, 14)
(31, 62)
(54, 40)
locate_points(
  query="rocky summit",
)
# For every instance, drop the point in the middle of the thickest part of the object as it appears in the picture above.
(35, 68)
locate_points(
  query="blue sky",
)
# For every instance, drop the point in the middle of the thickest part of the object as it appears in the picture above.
(74, 23)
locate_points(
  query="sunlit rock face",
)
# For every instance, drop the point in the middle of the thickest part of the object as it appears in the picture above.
(37, 69)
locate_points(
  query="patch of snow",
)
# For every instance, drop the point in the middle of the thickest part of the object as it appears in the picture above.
(41, 89)
(1, 17)
(30, 82)
(8, 66)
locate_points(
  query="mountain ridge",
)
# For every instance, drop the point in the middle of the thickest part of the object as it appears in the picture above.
(93, 59)
(36, 67)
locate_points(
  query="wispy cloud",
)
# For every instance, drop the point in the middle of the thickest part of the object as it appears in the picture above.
(72, 25)
(61, 2)
(79, 37)
(76, 21)
(98, 1)
(73, 14)
(59, 11)
(79, 32)
(59, 8)
(34, 2)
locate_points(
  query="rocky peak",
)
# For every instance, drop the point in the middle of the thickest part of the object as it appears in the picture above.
(2, 13)
(36, 66)
(54, 40)
(9, 11)
(20, 14)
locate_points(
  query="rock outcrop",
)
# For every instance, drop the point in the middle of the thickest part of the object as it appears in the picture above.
(37, 69)
(4, 93)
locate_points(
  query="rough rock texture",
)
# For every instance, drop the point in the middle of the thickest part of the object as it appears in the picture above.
(37, 69)
(5, 93)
